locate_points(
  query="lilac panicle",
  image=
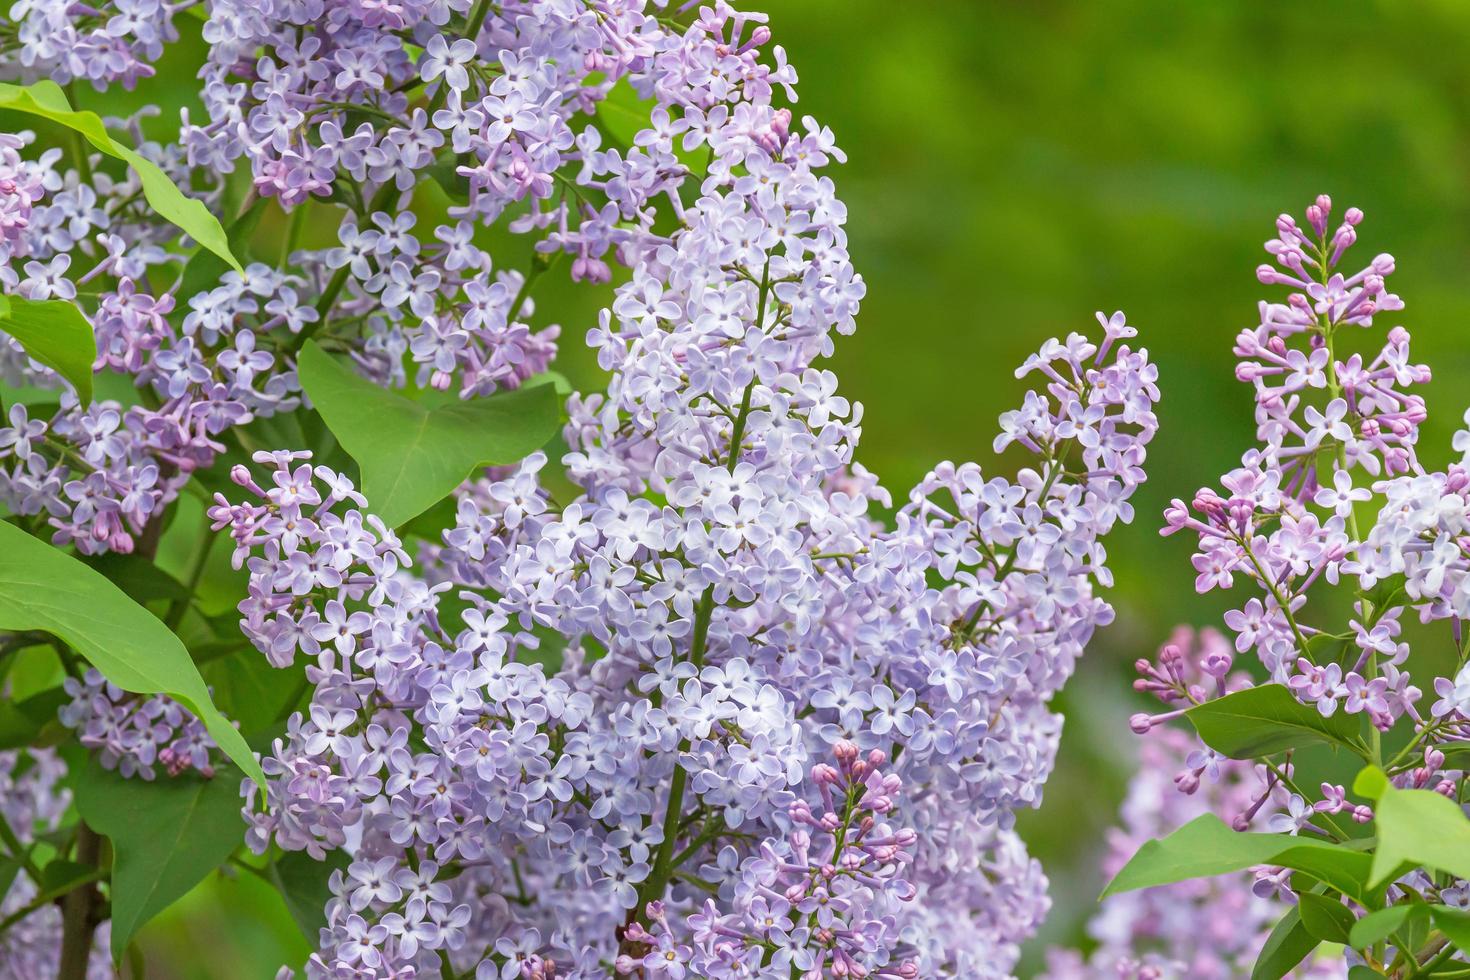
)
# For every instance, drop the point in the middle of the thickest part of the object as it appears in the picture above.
(1333, 503)
(706, 716)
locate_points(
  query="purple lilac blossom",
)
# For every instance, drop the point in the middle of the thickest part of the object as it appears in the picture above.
(729, 613)
(707, 717)
(1334, 499)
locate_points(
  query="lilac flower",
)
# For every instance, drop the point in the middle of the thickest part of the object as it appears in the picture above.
(1338, 433)
(707, 715)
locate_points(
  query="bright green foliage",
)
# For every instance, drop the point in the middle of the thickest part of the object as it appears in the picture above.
(1325, 918)
(166, 836)
(1378, 926)
(411, 455)
(1415, 827)
(203, 270)
(1259, 721)
(43, 588)
(1455, 924)
(1338, 866)
(1288, 944)
(54, 332)
(1206, 846)
(47, 100)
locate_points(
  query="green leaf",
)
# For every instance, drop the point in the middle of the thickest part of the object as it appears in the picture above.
(1264, 720)
(1415, 826)
(412, 456)
(1371, 782)
(1288, 944)
(1364, 973)
(47, 100)
(22, 722)
(140, 579)
(623, 113)
(1325, 918)
(43, 588)
(1206, 846)
(62, 875)
(54, 332)
(1343, 869)
(166, 835)
(249, 689)
(8, 870)
(302, 882)
(1454, 923)
(1378, 926)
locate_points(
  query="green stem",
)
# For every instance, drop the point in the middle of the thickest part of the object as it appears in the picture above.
(293, 234)
(180, 606)
(664, 864)
(477, 19)
(45, 898)
(78, 146)
(18, 851)
(1445, 955)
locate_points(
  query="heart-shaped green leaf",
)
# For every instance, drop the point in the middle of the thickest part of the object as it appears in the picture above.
(1325, 918)
(44, 588)
(1260, 721)
(1205, 847)
(166, 835)
(1415, 826)
(412, 456)
(54, 332)
(1378, 926)
(46, 99)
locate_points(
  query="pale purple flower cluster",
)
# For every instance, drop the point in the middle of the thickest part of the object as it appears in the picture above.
(818, 903)
(624, 714)
(1332, 421)
(1333, 504)
(134, 734)
(33, 802)
(98, 474)
(586, 738)
(103, 42)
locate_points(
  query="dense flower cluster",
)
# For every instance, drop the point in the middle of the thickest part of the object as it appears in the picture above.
(1328, 420)
(708, 717)
(99, 473)
(134, 734)
(102, 43)
(726, 610)
(1333, 504)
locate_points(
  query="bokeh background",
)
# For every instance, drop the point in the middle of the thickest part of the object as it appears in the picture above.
(1015, 166)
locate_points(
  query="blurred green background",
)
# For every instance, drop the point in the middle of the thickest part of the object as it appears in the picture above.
(1015, 166)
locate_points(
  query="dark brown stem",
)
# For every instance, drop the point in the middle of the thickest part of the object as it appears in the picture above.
(79, 911)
